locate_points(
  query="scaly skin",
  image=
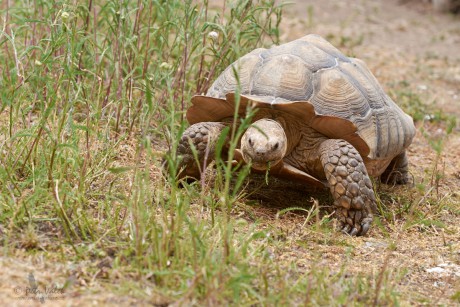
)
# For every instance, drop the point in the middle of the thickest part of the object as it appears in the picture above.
(350, 186)
(397, 171)
(203, 136)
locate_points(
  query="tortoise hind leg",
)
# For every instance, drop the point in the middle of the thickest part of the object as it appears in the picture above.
(397, 171)
(349, 184)
(203, 137)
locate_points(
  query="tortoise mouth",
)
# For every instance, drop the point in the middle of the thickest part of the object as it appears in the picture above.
(259, 163)
(265, 165)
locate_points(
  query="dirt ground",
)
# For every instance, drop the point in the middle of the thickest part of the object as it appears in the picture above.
(401, 41)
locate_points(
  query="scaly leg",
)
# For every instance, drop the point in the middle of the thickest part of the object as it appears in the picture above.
(350, 186)
(397, 171)
(203, 136)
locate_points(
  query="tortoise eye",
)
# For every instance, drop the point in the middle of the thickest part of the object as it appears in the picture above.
(251, 142)
(275, 147)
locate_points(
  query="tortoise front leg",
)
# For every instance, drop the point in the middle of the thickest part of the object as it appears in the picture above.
(203, 137)
(350, 186)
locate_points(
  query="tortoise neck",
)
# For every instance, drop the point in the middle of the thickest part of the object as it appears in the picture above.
(292, 128)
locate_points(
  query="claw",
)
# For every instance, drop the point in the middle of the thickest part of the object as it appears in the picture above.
(346, 229)
(365, 228)
(350, 221)
(354, 232)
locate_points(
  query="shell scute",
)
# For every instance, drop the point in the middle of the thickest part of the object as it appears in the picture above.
(284, 76)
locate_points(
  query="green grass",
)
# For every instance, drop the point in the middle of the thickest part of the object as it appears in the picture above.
(92, 96)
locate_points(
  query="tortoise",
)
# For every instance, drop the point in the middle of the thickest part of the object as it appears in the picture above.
(321, 118)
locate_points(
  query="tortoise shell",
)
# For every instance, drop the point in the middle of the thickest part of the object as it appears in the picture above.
(309, 78)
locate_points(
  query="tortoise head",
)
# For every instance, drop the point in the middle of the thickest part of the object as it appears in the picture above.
(264, 144)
